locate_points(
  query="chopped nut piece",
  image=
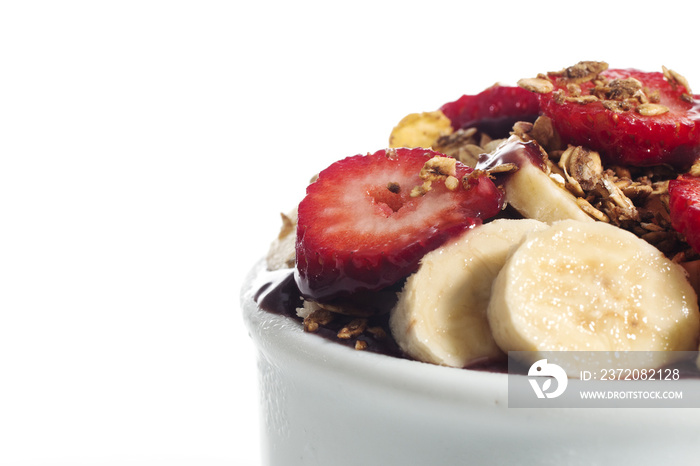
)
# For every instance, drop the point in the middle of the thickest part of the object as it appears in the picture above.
(582, 71)
(617, 106)
(586, 70)
(621, 89)
(352, 329)
(655, 97)
(421, 190)
(361, 345)
(559, 96)
(311, 326)
(574, 89)
(316, 319)
(619, 216)
(584, 99)
(438, 168)
(538, 85)
(473, 177)
(451, 183)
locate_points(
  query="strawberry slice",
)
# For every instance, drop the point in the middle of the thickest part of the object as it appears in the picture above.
(492, 111)
(631, 117)
(367, 220)
(684, 206)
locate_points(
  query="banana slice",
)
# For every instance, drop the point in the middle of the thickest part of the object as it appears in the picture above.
(530, 189)
(440, 316)
(535, 195)
(590, 286)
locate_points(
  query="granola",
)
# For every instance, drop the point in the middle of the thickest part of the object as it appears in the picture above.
(632, 198)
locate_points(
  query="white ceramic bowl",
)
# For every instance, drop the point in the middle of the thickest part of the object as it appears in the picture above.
(326, 404)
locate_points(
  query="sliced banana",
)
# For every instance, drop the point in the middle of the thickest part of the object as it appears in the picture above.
(440, 316)
(535, 195)
(590, 286)
(531, 190)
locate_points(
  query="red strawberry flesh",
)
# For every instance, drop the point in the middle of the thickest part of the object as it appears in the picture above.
(628, 137)
(493, 111)
(360, 229)
(684, 206)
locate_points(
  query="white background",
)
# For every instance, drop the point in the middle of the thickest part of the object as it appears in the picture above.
(146, 150)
